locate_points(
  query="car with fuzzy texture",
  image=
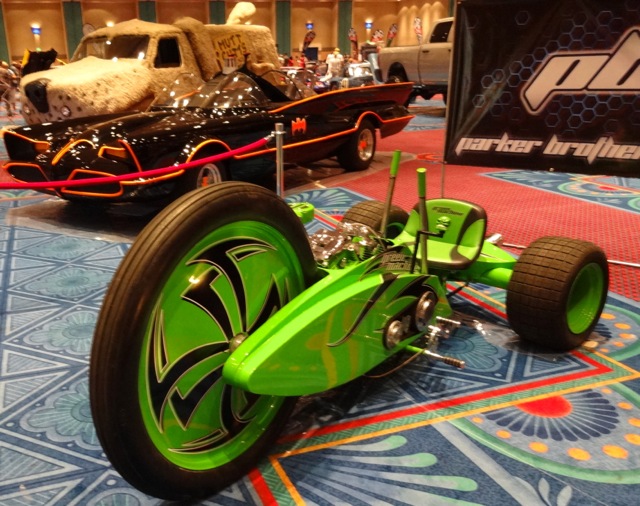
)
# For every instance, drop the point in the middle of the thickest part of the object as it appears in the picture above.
(219, 117)
(126, 66)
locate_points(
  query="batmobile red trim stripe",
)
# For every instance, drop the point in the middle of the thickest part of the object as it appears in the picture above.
(328, 137)
(339, 92)
(394, 120)
(40, 146)
(195, 150)
(70, 145)
(72, 177)
(148, 180)
(133, 156)
(297, 144)
(8, 165)
(106, 151)
(127, 177)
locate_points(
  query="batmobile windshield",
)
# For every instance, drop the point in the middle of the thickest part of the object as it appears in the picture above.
(238, 90)
(120, 46)
(359, 70)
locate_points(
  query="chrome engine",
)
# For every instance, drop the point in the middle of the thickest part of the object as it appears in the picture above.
(349, 242)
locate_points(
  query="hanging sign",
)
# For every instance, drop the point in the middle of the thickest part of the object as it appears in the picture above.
(546, 84)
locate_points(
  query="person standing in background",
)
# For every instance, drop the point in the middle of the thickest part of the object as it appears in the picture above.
(335, 60)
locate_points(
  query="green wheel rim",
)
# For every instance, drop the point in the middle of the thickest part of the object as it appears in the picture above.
(225, 286)
(585, 298)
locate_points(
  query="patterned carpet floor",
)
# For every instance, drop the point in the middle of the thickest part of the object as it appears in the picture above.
(516, 426)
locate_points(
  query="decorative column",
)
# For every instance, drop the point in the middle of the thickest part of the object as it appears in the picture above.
(283, 26)
(72, 12)
(216, 12)
(4, 45)
(345, 22)
(147, 11)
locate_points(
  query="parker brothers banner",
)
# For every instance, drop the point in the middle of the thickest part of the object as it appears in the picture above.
(546, 84)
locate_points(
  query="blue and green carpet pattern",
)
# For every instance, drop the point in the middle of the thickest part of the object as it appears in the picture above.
(613, 191)
(516, 426)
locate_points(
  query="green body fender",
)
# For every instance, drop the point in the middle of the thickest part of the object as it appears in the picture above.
(334, 331)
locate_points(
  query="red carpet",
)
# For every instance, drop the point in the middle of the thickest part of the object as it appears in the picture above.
(519, 213)
(513, 427)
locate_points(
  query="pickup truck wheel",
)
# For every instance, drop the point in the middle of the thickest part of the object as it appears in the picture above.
(357, 153)
(557, 291)
(396, 79)
(401, 78)
(370, 212)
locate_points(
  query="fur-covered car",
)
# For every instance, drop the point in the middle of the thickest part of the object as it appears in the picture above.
(125, 67)
(220, 116)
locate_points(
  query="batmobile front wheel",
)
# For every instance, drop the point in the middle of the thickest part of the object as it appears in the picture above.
(358, 152)
(211, 267)
(369, 212)
(557, 291)
(198, 177)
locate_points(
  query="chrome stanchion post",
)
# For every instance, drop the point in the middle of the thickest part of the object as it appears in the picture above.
(279, 133)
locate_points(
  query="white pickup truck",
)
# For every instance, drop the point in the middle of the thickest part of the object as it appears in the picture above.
(426, 65)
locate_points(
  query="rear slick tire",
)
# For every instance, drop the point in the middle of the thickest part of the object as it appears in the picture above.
(369, 212)
(212, 266)
(557, 291)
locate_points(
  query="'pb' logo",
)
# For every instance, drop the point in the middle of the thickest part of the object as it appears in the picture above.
(615, 71)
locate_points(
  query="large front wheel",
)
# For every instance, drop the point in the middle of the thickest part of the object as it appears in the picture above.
(557, 291)
(211, 268)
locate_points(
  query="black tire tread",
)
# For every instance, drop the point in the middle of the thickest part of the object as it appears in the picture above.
(539, 286)
(369, 212)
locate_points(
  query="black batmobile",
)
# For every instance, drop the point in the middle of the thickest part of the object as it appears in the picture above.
(194, 123)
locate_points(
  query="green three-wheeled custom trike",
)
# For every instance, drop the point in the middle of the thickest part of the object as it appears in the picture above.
(225, 311)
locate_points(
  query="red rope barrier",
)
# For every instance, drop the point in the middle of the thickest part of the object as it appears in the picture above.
(136, 175)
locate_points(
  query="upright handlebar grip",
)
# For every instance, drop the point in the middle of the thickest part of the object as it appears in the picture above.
(395, 162)
(422, 183)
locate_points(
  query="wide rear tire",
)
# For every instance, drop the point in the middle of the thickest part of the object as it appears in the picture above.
(557, 291)
(369, 212)
(212, 266)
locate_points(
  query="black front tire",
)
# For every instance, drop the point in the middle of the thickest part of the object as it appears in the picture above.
(557, 291)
